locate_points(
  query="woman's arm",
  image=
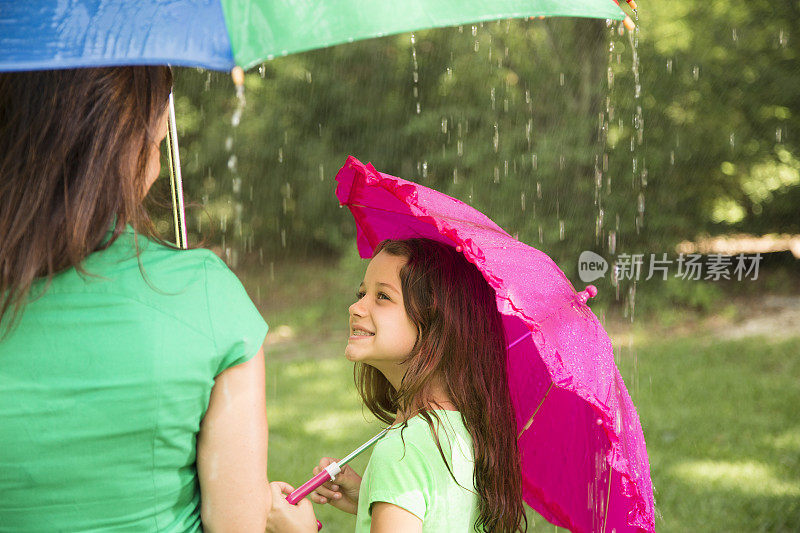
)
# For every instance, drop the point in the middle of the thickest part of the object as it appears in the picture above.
(389, 518)
(232, 451)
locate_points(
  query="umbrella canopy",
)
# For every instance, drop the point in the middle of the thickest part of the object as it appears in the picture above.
(584, 459)
(220, 34)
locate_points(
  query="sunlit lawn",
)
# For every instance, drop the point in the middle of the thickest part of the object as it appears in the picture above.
(721, 420)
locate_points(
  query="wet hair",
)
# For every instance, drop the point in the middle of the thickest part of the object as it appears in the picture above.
(461, 343)
(74, 148)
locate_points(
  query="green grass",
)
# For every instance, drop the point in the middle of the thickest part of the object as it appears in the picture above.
(720, 418)
(722, 428)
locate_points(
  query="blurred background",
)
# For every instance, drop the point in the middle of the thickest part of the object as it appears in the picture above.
(681, 137)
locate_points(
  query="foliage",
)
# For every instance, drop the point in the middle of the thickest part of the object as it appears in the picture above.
(565, 132)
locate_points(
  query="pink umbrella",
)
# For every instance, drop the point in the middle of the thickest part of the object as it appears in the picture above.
(584, 460)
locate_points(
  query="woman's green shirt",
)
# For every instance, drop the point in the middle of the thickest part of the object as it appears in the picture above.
(104, 382)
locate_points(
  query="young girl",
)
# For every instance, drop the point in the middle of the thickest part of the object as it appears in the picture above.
(430, 359)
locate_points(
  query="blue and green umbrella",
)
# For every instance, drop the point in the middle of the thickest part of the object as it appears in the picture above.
(222, 34)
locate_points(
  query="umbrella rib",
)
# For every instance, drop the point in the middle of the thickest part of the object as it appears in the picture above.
(530, 420)
(608, 497)
(522, 338)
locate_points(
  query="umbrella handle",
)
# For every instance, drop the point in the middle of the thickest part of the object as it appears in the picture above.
(312, 484)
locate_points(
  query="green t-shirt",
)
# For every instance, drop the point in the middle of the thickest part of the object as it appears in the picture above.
(412, 475)
(103, 385)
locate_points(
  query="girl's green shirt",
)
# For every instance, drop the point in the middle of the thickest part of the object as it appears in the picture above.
(406, 469)
(104, 382)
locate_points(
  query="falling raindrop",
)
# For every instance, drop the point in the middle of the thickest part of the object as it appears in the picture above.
(778, 134)
(236, 117)
(415, 73)
(696, 72)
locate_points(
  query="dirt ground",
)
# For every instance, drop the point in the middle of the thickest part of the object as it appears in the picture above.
(775, 316)
(769, 315)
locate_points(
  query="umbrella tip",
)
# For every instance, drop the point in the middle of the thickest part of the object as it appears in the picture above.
(628, 23)
(589, 292)
(237, 73)
(459, 248)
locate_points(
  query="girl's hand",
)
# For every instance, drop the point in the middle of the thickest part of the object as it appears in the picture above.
(342, 491)
(287, 518)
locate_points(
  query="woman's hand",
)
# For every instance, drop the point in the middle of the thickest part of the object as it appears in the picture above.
(342, 491)
(287, 518)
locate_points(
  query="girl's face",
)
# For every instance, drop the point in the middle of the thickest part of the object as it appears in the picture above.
(381, 333)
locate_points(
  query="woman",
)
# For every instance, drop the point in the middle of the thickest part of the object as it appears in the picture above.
(131, 373)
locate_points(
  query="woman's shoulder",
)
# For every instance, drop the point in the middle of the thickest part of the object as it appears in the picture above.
(138, 256)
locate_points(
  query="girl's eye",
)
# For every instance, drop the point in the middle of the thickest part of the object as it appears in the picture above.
(382, 295)
(360, 294)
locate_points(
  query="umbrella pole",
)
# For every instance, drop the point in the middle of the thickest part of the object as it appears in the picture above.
(175, 181)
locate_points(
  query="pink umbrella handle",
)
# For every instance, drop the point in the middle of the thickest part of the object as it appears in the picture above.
(308, 487)
(312, 484)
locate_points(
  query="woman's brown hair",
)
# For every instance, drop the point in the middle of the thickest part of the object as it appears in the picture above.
(74, 147)
(461, 343)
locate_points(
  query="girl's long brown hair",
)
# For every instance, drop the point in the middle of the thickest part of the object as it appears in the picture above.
(74, 148)
(462, 344)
